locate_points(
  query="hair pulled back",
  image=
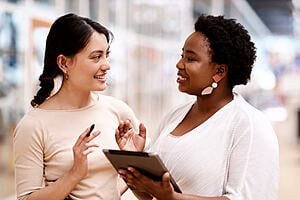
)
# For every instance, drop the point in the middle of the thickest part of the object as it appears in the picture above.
(68, 35)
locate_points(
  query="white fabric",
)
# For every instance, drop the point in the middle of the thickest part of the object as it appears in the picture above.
(234, 153)
(43, 142)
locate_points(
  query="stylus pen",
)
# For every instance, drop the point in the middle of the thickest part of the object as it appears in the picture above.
(91, 129)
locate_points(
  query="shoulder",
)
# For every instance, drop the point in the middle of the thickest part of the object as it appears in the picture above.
(117, 106)
(247, 111)
(250, 118)
(30, 126)
(29, 120)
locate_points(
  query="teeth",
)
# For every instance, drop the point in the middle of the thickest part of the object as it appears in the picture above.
(181, 78)
(99, 76)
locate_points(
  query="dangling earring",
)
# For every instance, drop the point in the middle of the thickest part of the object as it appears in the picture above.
(66, 76)
(209, 89)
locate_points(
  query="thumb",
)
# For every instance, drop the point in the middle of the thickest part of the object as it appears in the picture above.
(166, 180)
(142, 130)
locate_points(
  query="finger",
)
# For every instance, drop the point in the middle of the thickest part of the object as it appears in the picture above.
(166, 180)
(131, 186)
(93, 135)
(142, 130)
(89, 145)
(87, 151)
(127, 125)
(90, 130)
(82, 137)
(123, 174)
(134, 172)
(121, 126)
(117, 135)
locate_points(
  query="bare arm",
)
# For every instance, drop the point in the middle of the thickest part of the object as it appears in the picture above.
(62, 187)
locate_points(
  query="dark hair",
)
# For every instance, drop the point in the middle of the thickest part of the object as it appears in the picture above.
(230, 44)
(68, 35)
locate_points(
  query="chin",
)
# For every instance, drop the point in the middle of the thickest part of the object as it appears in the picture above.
(99, 89)
(182, 89)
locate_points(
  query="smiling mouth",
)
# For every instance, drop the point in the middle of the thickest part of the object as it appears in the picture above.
(181, 78)
(100, 77)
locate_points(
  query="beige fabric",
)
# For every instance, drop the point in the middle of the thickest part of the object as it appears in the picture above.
(43, 142)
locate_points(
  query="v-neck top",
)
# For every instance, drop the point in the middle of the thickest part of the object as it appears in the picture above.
(234, 153)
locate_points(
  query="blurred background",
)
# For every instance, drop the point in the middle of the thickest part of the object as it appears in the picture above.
(149, 36)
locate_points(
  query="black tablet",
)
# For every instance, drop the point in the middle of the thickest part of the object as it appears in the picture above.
(148, 164)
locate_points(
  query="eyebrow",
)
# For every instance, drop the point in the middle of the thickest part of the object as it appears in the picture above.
(189, 51)
(100, 51)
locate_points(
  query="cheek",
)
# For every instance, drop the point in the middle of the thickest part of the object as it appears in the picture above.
(86, 68)
(198, 76)
(194, 72)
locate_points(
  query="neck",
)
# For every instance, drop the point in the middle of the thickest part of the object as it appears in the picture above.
(213, 102)
(73, 100)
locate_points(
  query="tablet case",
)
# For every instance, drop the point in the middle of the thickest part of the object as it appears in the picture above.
(148, 164)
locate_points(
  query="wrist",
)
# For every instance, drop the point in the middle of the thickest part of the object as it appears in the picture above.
(73, 177)
(172, 196)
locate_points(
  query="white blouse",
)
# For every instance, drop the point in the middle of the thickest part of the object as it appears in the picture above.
(234, 153)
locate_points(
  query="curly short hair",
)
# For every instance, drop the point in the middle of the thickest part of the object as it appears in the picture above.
(230, 44)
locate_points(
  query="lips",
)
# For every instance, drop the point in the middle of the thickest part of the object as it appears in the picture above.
(181, 78)
(100, 76)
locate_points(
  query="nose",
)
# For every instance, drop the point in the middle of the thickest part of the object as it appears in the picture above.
(180, 64)
(105, 65)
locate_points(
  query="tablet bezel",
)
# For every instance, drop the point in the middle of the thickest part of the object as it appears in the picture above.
(148, 163)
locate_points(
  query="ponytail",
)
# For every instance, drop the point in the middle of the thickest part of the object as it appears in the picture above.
(47, 85)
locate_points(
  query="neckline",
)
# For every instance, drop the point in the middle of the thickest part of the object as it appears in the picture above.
(70, 110)
(188, 109)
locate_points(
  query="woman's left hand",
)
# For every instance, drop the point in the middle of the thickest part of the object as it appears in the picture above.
(137, 181)
(127, 139)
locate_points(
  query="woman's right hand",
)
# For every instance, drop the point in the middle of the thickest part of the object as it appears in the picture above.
(82, 148)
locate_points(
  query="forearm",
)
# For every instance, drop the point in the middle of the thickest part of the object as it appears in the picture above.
(60, 189)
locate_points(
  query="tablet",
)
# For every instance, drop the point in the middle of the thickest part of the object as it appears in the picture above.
(148, 164)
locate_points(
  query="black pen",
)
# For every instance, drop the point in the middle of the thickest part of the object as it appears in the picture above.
(91, 129)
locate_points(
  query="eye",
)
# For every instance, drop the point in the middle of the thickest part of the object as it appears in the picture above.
(190, 59)
(97, 57)
(107, 54)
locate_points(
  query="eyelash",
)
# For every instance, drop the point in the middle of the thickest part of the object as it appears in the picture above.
(188, 59)
(99, 56)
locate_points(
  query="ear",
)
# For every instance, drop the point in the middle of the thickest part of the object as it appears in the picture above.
(61, 61)
(221, 70)
(220, 73)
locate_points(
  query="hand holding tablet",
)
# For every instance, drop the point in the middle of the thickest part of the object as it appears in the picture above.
(147, 163)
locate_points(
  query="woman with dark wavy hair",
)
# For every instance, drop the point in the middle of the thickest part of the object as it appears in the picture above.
(57, 155)
(216, 146)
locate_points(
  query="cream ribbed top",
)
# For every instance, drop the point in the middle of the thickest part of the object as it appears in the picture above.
(43, 142)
